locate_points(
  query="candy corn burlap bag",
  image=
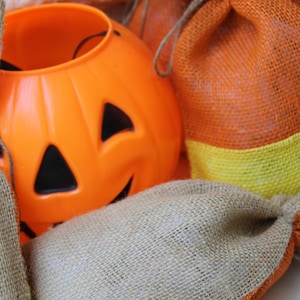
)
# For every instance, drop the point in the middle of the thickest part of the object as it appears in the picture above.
(236, 70)
(188, 239)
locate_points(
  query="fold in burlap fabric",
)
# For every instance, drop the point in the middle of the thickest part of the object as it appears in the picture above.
(236, 71)
(13, 282)
(187, 239)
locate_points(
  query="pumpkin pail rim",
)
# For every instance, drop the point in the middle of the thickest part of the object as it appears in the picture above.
(22, 41)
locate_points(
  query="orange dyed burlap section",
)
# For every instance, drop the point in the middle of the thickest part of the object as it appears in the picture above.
(236, 72)
(152, 23)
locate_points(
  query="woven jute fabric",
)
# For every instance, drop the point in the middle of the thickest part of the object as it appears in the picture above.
(187, 239)
(13, 282)
(152, 20)
(236, 72)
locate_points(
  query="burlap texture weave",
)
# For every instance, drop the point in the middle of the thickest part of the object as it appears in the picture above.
(187, 239)
(153, 19)
(236, 71)
(13, 282)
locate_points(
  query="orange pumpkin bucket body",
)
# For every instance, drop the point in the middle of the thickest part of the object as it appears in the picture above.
(86, 119)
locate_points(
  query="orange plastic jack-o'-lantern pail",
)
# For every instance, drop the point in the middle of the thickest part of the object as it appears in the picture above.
(84, 116)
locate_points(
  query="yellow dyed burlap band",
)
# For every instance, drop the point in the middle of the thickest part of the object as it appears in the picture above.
(268, 170)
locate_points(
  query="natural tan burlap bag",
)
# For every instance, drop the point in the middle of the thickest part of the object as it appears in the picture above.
(186, 239)
(13, 282)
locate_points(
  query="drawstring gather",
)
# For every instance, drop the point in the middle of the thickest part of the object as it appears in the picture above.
(177, 27)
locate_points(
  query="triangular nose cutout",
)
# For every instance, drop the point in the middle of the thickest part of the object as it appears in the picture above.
(54, 174)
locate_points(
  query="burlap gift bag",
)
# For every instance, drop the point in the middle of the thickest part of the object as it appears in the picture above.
(236, 71)
(13, 282)
(187, 239)
(181, 240)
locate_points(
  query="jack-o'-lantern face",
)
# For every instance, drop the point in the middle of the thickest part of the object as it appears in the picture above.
(82, 132)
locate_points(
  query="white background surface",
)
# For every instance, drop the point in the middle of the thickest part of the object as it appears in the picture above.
(288, 287)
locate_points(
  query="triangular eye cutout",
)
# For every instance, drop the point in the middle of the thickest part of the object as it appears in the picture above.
(1, 152)
(54, 174)
(114, 121)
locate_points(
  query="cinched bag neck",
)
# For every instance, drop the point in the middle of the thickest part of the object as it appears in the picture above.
(177, 28)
